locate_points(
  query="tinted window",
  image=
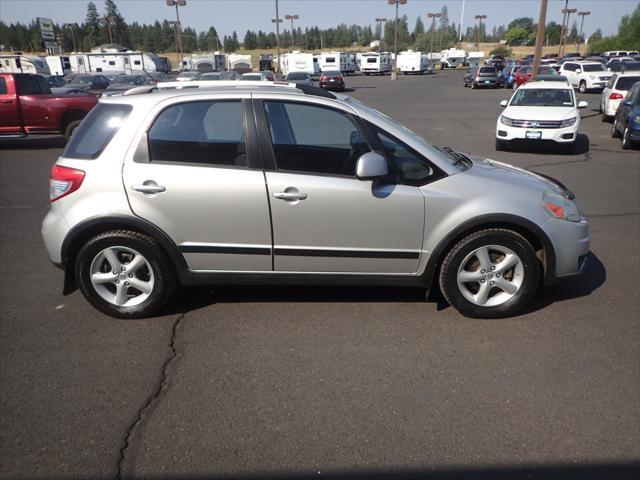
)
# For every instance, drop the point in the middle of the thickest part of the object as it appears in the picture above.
(314, 139)
(199, 132)
(539, 97)
(487, 70)
(3, 86)
(372, 60)
(593, 68)
(27, 85)
(625, 83)
(96, 130)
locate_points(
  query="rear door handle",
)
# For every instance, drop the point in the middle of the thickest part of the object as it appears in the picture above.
(290, 195)
(148, 187)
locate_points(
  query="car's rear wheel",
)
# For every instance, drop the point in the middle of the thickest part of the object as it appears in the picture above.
(71, 128)
(492, 273)
(626, 139)
(614, 129)
(125, 274)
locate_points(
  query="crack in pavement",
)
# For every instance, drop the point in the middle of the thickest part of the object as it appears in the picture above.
(158, 393)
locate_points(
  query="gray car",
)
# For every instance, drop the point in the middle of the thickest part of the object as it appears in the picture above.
(481, 77)
(248, 183)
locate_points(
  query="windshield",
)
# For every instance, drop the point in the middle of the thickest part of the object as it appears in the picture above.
(250, 77)
(487, 70)
(188, 74)
(596, 67)
(542, 97)
(211, 76)
(297, 76)
(547, 71)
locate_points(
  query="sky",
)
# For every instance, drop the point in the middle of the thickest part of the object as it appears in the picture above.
(240, 15)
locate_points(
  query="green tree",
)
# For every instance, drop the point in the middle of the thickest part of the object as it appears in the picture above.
(119, 28)
(517, 35)
(525, 23)
(91, 29)
(628, 37)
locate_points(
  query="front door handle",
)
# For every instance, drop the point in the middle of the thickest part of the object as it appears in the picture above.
(148, 187)
(290, 196)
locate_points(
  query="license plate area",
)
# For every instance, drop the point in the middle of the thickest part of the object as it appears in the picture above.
(533, 135)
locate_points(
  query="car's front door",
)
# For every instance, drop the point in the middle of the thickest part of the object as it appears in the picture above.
(194, 177)
(324, 218)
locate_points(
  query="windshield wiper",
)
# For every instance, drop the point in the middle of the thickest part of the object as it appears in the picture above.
(460, 158)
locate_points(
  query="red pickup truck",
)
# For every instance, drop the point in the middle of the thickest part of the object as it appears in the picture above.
(27, 106)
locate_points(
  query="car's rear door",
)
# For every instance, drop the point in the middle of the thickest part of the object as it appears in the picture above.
(194, 175)
(324, 218)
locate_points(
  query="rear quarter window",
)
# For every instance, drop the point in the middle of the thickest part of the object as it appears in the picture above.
(96, 131)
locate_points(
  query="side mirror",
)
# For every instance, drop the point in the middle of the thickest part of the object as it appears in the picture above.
(504, 103)
(582, 104)
(371, 166)
(578, 70)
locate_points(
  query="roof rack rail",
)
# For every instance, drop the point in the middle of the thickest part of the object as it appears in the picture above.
(306, 89)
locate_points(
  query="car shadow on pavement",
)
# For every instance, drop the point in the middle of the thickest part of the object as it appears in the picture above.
(582, 146)
(194, 298)
(34, 143)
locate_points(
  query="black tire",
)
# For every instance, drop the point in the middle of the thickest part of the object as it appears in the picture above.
(499, 237)
(473, 85)
(614, 129)
(71, 128)
(582, 87)
(164, 278)
(501, 145)
(626, 139)
(605, 118)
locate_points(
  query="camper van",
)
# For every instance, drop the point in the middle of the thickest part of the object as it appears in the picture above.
(58, 65)
(298, 62)
(413, 62)
(375, 62)
(239, 63)
(23, 64)
(337, 61)
(453, 58)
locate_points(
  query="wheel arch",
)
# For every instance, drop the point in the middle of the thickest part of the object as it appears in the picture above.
(82, 232)
(71, 116)
(529, 230)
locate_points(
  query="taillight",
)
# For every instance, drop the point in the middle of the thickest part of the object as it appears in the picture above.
(323, 78)
(615, 96)
(63, 181)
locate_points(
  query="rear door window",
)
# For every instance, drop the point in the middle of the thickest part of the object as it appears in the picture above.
(27, 85)
(3, 86)
(200, 132)
(96, 130)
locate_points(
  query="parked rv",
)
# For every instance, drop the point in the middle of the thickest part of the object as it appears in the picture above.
(210, 62)
(298, 62)
(120, 62)
(265, 62)
(23, 64)
(58, 65)
(453, 58)
(375, 62)
(239, 63)
(340, 61)
(413, 62)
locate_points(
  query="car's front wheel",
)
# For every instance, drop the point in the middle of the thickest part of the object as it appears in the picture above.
(582, 87)
(125, 274)
(492, 273)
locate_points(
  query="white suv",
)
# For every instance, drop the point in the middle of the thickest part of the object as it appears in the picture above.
(538, 112)
(585, 75)
(614, 93)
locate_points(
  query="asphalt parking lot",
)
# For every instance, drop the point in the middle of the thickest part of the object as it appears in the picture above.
(338, 382)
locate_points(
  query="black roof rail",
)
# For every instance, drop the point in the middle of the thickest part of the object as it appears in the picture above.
(317, 91)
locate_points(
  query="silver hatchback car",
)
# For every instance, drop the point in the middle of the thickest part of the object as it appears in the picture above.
(267, 183)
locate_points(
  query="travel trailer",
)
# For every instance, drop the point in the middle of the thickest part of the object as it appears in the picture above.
(58, 65)
(239, 63)
(453, 58)
(337, 61)
(375, 62)
(413, 62)
(475, 59)
(434, 59)
(298, 62)
(127, 62)
(23, 64)
(211, 62)
(265, 62)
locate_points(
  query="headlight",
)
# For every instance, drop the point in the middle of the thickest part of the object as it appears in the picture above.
(567, 122)
(560, 207)
(506, 120)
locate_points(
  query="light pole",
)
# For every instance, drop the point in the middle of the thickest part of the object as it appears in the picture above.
(108, 21)
(539, 38)
(292, 18)
(582, 14)
(568, 12)
(479, 18)
(380, 21)
(178, 3)
(433, 17)
(394, 72)
(71, 26)
(277, 21)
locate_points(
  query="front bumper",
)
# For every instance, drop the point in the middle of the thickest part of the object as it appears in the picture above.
(559, 135)
(570, 242)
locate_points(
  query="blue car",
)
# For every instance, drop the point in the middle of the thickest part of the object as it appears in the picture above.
(626, 124)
